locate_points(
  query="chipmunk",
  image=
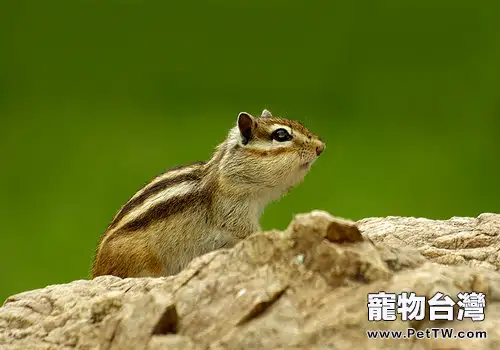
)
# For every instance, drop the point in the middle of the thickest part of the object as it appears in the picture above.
(191, 210)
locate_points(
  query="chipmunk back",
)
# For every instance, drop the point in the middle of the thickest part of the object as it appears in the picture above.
(191, 210)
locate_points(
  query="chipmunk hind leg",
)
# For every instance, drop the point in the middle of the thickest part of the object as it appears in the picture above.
(127, 257)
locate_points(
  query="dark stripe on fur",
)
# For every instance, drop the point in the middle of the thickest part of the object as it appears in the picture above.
(165, 209)
(269, 152)
(200, 163)
(194, 175)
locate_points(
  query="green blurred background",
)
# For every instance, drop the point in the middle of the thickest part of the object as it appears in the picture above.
(97, 97)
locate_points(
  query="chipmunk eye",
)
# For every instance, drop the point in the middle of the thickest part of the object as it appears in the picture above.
(281, 135)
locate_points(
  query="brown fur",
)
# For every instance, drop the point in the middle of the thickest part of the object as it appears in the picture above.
(138, 259)
(166, 209)
(273, 152)
(151, 190)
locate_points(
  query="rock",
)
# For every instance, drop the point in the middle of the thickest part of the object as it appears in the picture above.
(470, 241)
(305, 287)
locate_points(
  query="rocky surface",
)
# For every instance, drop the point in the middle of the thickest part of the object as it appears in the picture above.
(469, 241)
(303, 288)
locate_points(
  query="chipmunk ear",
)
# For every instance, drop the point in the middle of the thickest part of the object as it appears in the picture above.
(245, 124)
(266, 114)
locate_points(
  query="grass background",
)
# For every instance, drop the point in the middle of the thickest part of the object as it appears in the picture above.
(96, 97)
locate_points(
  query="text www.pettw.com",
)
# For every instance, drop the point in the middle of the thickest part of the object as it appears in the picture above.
(428, 333)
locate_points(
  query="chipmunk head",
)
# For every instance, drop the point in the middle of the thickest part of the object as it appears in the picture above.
(269, 153)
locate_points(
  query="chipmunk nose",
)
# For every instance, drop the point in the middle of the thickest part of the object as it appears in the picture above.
(320, 148)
